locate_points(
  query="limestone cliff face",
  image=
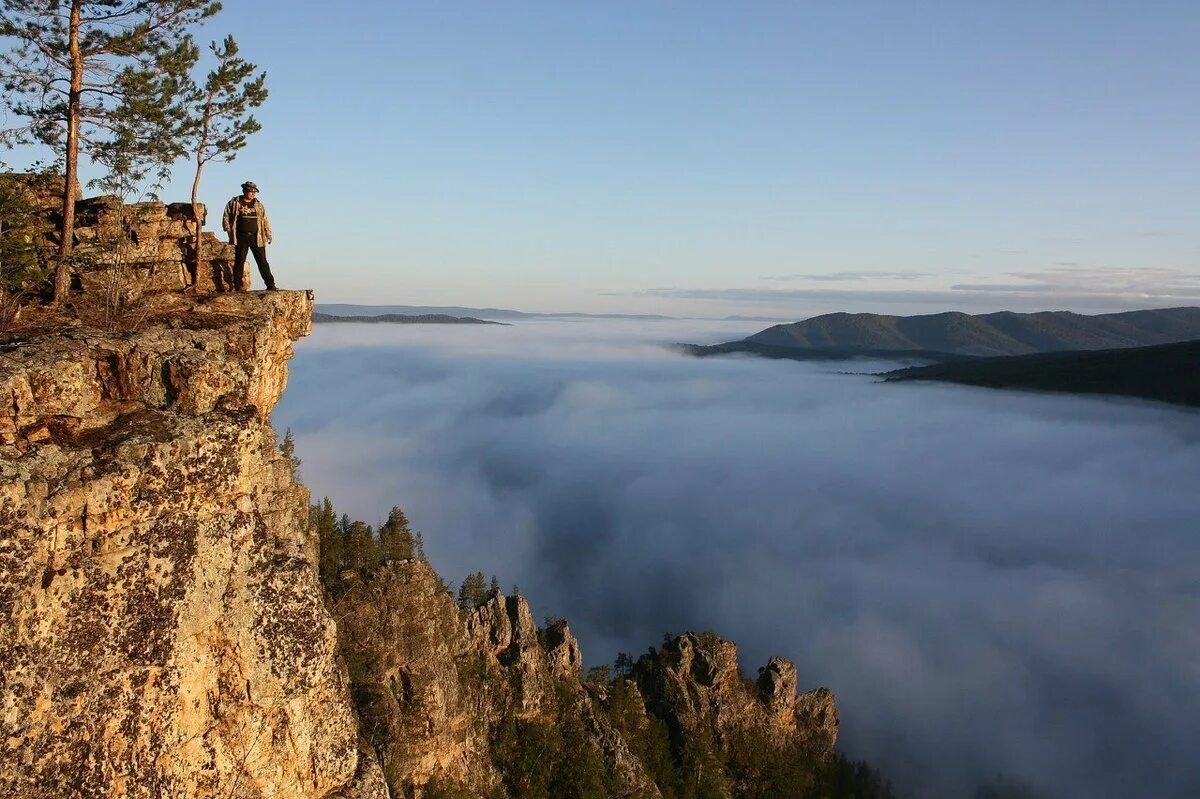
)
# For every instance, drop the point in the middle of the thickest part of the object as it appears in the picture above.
(164, 633)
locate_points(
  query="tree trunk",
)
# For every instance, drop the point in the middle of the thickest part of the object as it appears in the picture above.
(198, 242)
(62, 272)
(201, 160)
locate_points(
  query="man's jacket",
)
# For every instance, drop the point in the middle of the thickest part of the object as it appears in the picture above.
(233, 209)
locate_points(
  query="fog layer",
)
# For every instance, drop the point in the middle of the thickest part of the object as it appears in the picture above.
(991, 582)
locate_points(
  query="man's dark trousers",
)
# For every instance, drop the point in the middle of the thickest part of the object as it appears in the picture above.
(260, 257)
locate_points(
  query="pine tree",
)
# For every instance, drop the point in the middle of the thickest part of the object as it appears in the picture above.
(702, 770)
(362, 553)
(219, 120)
(288, 449)
(599, 675)
(329, 538)
(18, 252)
(396, 540)
(474, 592)
(104, 76)
(623, 665)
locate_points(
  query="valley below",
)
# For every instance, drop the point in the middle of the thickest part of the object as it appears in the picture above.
(991, 583)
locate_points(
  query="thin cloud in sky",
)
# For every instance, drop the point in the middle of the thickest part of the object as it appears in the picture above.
(1071, 278)
(1068, 285)
(851, 276)
(963, 297)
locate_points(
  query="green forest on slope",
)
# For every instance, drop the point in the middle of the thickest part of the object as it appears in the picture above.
(1166, 373)
(553, 755)
(985, 335)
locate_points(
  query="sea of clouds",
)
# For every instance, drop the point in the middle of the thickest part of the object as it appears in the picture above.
(991, 582)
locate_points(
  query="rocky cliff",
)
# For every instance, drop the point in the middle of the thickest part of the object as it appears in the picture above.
(436, 684)
(478, 701)
(151, 243)
(166, 633)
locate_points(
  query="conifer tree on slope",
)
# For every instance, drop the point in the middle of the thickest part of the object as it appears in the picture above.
(219, 119)
(361, 548)
(104, 76)
(473, 593)
(396, 537)
(332, 545)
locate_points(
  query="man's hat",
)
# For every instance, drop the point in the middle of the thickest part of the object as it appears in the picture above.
(251, 185)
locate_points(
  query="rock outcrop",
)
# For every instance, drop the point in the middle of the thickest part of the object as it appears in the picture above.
(694, 683)
(164, 631)
(151, 243)
(435, 682)
(436, 685)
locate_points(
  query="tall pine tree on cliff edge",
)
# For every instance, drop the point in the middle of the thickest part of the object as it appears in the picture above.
(101, 76)
(220, 120)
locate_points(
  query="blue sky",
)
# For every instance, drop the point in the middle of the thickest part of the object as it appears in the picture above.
(712, 158)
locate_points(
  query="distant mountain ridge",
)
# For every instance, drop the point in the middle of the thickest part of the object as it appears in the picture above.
(984, 335)
(404, 319)
(747, 347)
(345, 309)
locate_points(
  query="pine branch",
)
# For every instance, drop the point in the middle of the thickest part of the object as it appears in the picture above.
(134, 9)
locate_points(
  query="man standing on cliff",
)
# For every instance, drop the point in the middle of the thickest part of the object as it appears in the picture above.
(245, 221)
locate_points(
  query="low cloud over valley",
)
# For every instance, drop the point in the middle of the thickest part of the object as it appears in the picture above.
(990, 582)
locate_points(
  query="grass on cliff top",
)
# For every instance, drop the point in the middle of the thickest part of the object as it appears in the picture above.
(109, 311)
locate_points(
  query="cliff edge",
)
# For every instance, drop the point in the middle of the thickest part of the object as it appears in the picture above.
(168, 597)
(164, 629)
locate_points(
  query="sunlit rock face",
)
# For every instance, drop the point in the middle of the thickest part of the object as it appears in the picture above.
(435, 682)
(694, 683)
(152, 242)
(163, 629)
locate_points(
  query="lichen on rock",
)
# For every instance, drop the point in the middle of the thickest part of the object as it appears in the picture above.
(164, 629)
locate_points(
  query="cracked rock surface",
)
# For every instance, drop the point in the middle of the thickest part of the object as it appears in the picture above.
(163, 629)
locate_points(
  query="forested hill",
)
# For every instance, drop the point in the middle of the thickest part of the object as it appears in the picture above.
(748, 347)
(993, 334)
(1167, 373)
